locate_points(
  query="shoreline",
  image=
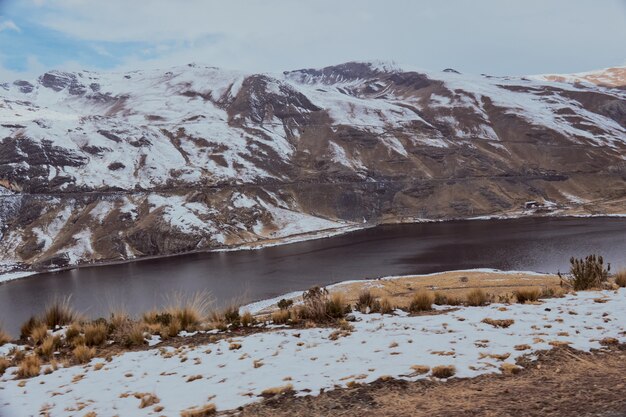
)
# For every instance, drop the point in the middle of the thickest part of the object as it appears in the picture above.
(303, 237)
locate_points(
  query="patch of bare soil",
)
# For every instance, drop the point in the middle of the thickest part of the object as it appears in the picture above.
(563, 382)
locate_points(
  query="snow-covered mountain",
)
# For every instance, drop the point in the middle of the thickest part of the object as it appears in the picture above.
(110, 166)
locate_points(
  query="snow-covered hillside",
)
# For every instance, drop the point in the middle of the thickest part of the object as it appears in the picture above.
(104, 166)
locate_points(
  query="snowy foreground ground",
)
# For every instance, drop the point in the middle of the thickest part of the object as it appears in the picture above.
(379, 346)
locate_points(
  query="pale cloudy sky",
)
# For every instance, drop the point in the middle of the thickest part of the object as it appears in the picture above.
(477, 36)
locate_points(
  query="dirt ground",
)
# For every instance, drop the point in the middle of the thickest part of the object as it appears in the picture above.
(561, 383)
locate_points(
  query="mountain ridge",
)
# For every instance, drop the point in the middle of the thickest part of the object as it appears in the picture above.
(110, 166)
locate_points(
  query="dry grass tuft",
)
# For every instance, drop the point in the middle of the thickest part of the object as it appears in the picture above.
(443, 371)
(47, 347)
(83, 354)
(367, 303)
(247, 319)
(528, 294)
(420, 369)
(204, 411)
(4, 337)
(477, 298)
(28, 326)
(280, 316)
(38, 333)
(189, 310)
(504, 323)
(421, 301)
(319, 307)
(59, 313)
(620, 278)
(510, 368)
(72, 332)
(29, 367)
(283, 389)
(4, 365)
(96, 333)
(148, 400)
(385, 306)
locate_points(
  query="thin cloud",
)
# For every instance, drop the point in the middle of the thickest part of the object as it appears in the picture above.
(9, 25)
(479, 36)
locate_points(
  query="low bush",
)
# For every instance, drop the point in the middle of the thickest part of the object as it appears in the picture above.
(477, 298)
(527, 294)
(588, 273)
(47, 347)
(284, 304)
(319, 307)
(440, 299)
(421, 301)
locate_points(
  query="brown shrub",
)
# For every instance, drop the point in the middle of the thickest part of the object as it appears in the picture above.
(29, 366)
(204, 411)
(527, 294)
(59, 313)
(443, 371)
(477, 298)
(96, 333)
(421, 301)
(440, 299)
(588, 273)
(319, 307)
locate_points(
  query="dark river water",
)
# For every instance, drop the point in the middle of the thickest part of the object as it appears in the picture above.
(539, 244)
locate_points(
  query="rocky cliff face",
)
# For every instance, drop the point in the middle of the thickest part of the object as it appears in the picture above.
(97, 167)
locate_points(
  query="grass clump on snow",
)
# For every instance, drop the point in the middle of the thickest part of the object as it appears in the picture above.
(96, 333)
(443, 371)
(29, 366)
(367, 303)
(283, 389)
(421, 301)
(477, 298)
(528, 294)
(319, 307)
(59, 313)
(204, 411)
(620, 278)
(83, 354)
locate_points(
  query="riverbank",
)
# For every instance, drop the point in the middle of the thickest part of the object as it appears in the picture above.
(237, 370)
(14, 273)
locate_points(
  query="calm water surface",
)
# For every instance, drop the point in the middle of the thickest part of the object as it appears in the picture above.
(543, 245)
